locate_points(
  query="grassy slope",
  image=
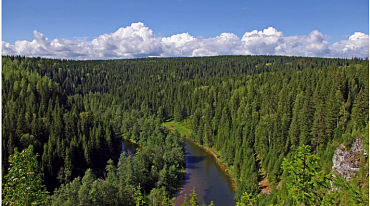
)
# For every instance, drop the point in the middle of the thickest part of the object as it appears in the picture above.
(172, 125)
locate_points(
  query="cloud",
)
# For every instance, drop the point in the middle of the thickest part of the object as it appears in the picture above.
(133, 41)
(40, 46)
(313, 45)
(357, 45)
(261, 42)
(137, 40)
(179, 45)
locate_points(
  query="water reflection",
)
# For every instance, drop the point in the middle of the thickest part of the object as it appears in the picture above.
(192, 161)
(209, 181)
(202, 173)
(129, 148)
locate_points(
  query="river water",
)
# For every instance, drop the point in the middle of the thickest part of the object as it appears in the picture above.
(129, 148)
(202, 172)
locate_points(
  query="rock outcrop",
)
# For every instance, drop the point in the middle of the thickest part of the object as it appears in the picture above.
(346, 163)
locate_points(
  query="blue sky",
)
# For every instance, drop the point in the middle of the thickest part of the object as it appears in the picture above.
(335, 21)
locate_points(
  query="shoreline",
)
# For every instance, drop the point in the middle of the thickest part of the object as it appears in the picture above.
(178, 187)
(219, 162)
(133, 142)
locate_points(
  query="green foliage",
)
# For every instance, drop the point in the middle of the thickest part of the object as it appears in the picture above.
(157, 168)
(185, 201)
(193, 199)
(307, 182)
(138, 196)
(349, 193)
(183, 131)
(75, 112)
(67, 194)
(22, 185)
(93, 191)
(158, 197)
(247, 199)
(86, 186)
(356, 190)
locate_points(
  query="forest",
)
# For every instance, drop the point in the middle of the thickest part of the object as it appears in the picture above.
(260, 113)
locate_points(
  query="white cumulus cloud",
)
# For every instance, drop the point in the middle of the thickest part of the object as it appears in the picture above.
(137, 40)
(313, 45)
(133, 41)
(357, 45)
(262, 42)
(179, 45)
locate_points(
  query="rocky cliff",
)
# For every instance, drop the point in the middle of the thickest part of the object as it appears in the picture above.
(346, 163)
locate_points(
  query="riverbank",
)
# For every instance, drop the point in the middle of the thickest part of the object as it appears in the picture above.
(219, 162)
(133, 142)
(178, 186)
(181, 172)
(186, 133)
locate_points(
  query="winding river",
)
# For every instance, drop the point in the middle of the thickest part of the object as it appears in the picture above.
(202, 172)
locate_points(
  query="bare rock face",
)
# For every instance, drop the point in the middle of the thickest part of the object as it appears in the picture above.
(345, 163)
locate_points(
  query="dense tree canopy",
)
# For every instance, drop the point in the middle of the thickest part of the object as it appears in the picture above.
(23, 183)
(253, 110)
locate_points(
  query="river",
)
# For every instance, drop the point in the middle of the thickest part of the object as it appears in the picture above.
(129, 148)
(202, 172)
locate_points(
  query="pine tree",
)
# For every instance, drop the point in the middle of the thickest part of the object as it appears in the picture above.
(305, 117)
(360, 113)
(247, 199)
(194, 198)
(318, 127)
(178, 113)
(307, 182)
(84, 191)
(185, 201)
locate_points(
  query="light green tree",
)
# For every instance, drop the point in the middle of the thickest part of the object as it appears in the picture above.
(307, 182)
(194, 198)
(138, 196)
(23, 183)
(185, 201)
(84, 192)
(247, 199)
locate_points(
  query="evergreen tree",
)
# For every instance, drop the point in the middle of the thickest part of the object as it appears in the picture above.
(194, 199)
(318, 127)
(307, 182)
(185, 201)
(360, 109)
(87, 184)
(22, 185)
(138, 196)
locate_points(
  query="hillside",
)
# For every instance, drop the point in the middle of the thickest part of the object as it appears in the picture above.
(255, 111)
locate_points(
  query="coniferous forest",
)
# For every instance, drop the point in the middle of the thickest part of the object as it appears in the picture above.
(265, 116)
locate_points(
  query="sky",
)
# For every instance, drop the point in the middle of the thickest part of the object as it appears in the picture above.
(167, 28)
